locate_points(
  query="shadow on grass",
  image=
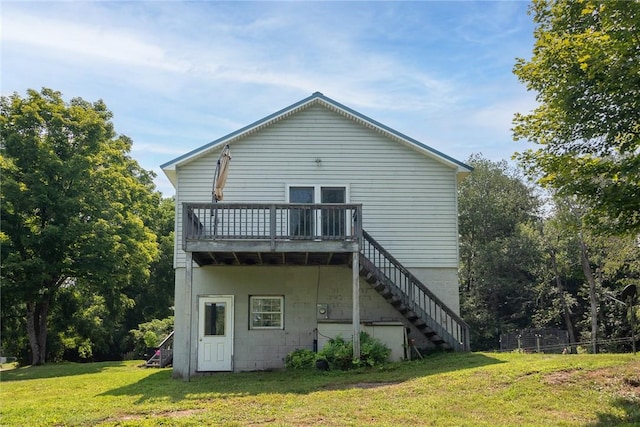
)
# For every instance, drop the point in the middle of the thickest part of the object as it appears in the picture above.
(631, 416)
(160, 385)
(55, 370)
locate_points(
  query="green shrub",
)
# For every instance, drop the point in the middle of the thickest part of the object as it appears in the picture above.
(151, 339)
(339, 353)
(301, 358)
(372, 351)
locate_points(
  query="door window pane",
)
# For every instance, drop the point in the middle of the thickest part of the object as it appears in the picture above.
(301, 220)
(214, 318)
(333, 195)
(333, 220)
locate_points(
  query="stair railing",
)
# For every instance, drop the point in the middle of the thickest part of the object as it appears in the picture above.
(416, 296)
(166, 350)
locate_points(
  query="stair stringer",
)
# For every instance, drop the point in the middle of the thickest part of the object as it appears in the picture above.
(449, 333)
(164, 356)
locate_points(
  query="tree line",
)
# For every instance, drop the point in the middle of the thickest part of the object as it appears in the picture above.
(529, 260)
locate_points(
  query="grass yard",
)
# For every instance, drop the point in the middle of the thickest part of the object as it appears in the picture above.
(473, 389)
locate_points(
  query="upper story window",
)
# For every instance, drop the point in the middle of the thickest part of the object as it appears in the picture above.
(307, 223)
(301, 222)
(333, 221)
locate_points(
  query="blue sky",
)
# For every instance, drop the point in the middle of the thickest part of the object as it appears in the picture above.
(178, 75)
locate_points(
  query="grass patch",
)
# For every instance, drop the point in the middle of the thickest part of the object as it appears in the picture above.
(482, 389)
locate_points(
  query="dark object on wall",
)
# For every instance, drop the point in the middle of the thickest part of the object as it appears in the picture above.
(322, 365)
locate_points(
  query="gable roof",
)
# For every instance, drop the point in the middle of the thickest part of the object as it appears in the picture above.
(316, 98)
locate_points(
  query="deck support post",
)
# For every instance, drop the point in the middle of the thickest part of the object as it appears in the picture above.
(356, 304)
(189, 310)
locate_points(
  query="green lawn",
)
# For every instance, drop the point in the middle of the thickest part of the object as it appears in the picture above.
(473, 389)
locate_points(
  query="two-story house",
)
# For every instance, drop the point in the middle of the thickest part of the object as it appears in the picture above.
(331, 223)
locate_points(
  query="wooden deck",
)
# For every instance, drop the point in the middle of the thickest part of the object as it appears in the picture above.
(317, 234)
(271, 234)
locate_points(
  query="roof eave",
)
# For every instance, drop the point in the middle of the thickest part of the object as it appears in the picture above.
(240, 133)
(170, 167)
(394, 134)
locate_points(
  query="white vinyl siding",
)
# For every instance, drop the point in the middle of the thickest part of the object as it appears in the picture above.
(408, 198)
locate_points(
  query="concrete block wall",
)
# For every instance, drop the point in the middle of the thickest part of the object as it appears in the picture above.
(303, 287)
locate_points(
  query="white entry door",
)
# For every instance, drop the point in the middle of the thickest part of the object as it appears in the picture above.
(215, 333)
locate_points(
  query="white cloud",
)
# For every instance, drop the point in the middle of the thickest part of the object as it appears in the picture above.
(104, 43)
(249, 52)
(180, 74)
(482, 25)
(498, 116)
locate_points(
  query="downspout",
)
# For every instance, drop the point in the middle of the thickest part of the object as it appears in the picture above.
(356, 304)
(189, 307)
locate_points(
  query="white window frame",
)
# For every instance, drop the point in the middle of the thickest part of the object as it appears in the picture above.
(252, 313)
(317, 196)
(317, 190)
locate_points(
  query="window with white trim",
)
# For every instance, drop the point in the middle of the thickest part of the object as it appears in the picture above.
(266, 312)
(327, 223)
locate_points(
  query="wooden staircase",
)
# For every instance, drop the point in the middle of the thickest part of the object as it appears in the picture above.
(411, 298)
(164, 354)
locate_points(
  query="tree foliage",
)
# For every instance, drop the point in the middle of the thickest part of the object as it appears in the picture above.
(76, 210)
(582, 274)
(525, 267)
(557, 305)
(150, 334)
(153, 298)
(585, 70)
(498, 257)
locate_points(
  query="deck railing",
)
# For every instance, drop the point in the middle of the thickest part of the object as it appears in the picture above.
(287, 221)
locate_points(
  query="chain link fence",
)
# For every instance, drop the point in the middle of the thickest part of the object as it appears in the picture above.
(547, 340)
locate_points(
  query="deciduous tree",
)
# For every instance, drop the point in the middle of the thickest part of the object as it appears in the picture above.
(585, 70)
(584, 271)
(75, 206)
(498, 258)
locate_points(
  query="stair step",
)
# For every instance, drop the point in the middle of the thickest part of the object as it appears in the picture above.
(373, 270)
(421, 326)
(386, 293)
(378, 286)
(370, 278)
